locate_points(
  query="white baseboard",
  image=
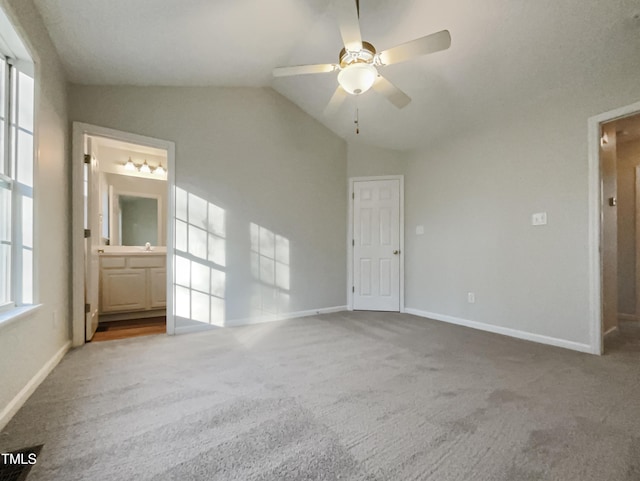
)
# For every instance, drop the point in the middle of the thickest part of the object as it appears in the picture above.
(261, 319)
(18, 401)
(505, 331)
(283, 316)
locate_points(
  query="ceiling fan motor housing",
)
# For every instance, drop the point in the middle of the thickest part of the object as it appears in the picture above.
(366, 55)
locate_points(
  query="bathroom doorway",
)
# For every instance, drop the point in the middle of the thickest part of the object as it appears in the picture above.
(620, 147)
(121, 261)
(614, 146)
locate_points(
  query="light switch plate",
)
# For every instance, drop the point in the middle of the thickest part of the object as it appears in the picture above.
(539, 218)
(419, 230)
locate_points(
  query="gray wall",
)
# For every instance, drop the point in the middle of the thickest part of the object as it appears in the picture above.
(475, 194)
(628, 158)
(28, 343)
(365, 160)
(263, 161)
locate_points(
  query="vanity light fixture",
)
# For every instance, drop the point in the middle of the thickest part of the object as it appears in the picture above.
(144, 168)
(130, 165)
(160, 170)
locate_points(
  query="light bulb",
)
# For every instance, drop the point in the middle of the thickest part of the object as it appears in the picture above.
(129, 165)
(144, 168)
(159, 170)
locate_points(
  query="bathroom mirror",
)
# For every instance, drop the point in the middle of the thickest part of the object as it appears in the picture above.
(137, 220)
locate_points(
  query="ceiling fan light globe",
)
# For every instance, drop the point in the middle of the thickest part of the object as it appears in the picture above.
(357, 78)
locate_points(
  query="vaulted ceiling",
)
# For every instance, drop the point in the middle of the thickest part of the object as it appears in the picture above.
(504, 53)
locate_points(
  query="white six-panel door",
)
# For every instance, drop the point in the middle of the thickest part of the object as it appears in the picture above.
(376, 245)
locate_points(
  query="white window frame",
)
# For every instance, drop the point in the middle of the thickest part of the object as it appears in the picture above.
(9, 157)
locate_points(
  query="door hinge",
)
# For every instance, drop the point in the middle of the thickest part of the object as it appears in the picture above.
(353, 195)
(87, 158)
(87, 233)
(353, 288)
(353, 242)
(87, 308)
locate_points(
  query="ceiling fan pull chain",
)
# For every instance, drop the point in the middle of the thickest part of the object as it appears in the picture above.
(357, 120)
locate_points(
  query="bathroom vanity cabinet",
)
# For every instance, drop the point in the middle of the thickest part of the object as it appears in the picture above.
(132, 282)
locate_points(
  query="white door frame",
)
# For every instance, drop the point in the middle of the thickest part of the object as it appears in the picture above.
(595, 224)
(77, 221)
(350, 193)
(636, 245)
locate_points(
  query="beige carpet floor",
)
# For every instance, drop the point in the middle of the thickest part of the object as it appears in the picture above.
(349, 396)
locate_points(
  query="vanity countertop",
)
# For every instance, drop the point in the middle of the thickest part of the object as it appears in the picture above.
(158, 251)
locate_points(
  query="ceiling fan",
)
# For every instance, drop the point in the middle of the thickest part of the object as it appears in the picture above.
(359, 61)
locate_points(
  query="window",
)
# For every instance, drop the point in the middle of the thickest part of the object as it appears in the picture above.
(16, 172)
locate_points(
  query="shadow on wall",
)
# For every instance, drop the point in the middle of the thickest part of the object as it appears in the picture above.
(201, 270)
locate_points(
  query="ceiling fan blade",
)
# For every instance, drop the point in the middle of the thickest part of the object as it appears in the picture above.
(393, 94)
(336, 101)
(420, 46)
(349, 24)
(304, 69)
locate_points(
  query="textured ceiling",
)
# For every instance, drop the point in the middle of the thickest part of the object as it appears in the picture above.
(504, 53)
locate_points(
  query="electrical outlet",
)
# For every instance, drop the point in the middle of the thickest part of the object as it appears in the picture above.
(419, 230)
(471, 297)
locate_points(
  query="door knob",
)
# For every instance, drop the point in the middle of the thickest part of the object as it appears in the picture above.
(395, 253)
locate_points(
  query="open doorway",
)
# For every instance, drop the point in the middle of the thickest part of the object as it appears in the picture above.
(619, 169)
(129, 209)
(122, 199)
